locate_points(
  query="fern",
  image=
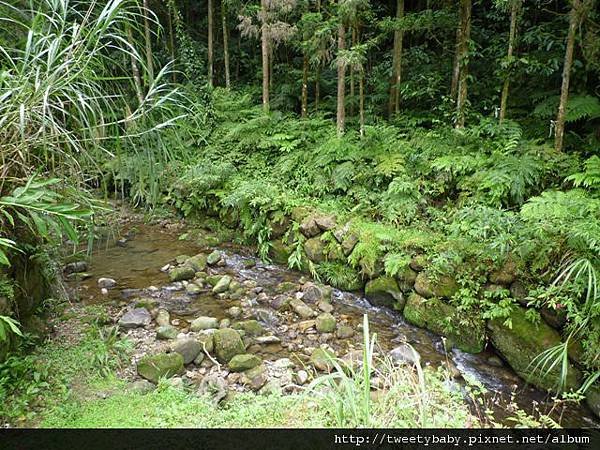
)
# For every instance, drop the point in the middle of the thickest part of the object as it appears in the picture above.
(578, 107)
(590, 177)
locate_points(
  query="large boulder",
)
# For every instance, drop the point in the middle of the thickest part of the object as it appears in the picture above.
(406, 278)
(314, 293)
(444, 286)
(227, 344)
(159, 366)
(279, 251)
(504, 275)
(465, 332)
(309, 228)
(138, 317)
(182, 273)
(315, 249)
(520, 341)
(592, 398)
(188, 348)
(246, 361)
(383, 291)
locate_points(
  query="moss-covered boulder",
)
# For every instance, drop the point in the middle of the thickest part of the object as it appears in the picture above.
(418, 263)
(182, 273)
(163, 365)
(279, 252)
(198, 262)
(246, 361)
(383, 291)
(406, 278)
(315, 249)
(520, 341)
(322, 359)
(504, 275)
(466, 332)
(227, 344)
(222, 285)
(443, 286)
(592, 398)
(250, 327)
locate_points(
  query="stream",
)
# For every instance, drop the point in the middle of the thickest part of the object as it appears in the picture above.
(136, 263)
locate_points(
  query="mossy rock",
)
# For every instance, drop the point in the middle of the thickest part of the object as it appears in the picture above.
(182, 273)
(520, 343)
(322, 359)
(504, 275)
(444, 286)
(227, 344)
(164, 365)
(406, 278)
(240, 363)
(325, 323)
(592, 398)
(250, 327)
(383, 291)
(442, 318)
(198, 262)
(315, 249)
(280, 252)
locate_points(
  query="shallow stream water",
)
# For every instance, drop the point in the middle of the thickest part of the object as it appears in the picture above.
(135, 265)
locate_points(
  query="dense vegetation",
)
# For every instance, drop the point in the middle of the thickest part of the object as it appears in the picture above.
(465, 132)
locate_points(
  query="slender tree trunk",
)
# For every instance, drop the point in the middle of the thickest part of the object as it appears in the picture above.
(317, 88)
(361, 94)
(574, 17)
(305, 86)
(352, 90)
(394, 100)
(514, 12)
(457, 49)
(210, 43)
(464, 63)
(265, 59)
(147, 36)
(135, 69)
(226, 45)
(341, 82)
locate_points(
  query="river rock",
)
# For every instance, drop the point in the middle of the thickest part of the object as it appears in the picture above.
(344, 332)
(383, 291)
(106, 283)
(315, 249)
(279, 251)
(321, 359)
(234, 312)
(325, 323)
(313, 293)
(265, 340)
(206, 342)
(405, 354)
(349, 242)
(188, 348)
(222, 285)
(213, 386)
(138, 317)
(180, 259)
(520, 344)
(280, 302)
(204, 323)
(325, 306)
(193, 289)
(225, 323)
(198, 262)
(467, 333)
(181, 273)
(166, 332)
(406, 278)
(76, 267)
(214, 258)
(140, 387)
(242, 362)
(228, 343)
(163, 365)
(255, 378)
(444, 287)
(163, 317)
(301, 377)
(250, 327)
(301, 308)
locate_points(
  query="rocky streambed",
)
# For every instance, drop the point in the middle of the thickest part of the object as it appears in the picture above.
(216, 317)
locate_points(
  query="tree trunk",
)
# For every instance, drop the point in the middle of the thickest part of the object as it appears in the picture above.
(135, 69)
(305, 86)
(149, 59)
(352, 90)
(361, 94)
(464, 63)
(456, 64)
(514, 12)
(341, 82)
(225, 45)
(574, 17)
(394, 100)
(265, 59)
(172, 43)
(210, 42)
(317, 88)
